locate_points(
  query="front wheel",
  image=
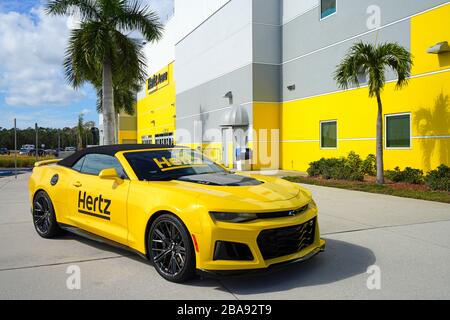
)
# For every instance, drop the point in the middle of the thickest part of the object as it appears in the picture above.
(170, 249)
(44, 218)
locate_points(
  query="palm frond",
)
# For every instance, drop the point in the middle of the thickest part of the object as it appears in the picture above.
(355, 63)
(372, 61)
(100, 40)
(128, 58)
(87, 9)
(399, 59)
(134, 16)
(84, 54)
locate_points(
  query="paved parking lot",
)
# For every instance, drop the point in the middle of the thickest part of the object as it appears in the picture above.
(409, 240)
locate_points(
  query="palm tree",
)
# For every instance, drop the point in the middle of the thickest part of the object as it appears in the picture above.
(99, 49)
(371, 61)
(80, 131)
(124, 98)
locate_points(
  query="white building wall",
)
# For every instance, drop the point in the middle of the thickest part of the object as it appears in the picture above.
(161, 53)
(294, 8)
(217, 47)
(189, 14)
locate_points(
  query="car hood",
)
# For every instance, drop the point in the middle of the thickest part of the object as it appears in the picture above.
(242, 191)
(221, 179)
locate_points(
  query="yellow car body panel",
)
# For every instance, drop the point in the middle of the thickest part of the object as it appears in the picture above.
(133, 204)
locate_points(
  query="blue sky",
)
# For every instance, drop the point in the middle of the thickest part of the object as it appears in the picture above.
(32, 85)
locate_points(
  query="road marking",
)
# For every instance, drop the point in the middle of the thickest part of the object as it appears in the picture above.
(64, 263)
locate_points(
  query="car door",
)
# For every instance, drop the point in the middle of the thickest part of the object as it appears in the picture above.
(99, 205)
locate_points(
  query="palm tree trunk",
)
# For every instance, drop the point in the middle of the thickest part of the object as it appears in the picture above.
(79, 141)
(380, 162)
(109, 119)
(116, 118)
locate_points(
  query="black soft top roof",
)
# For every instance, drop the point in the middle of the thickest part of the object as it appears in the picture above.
(111, 150)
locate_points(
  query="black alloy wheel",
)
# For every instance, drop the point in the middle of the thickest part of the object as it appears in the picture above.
(171, 249)
(44, 218)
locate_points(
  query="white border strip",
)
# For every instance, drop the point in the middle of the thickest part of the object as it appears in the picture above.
(367, 139)
(421, 75)
(432, 137)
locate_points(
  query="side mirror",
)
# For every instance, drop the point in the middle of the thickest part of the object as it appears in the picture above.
(109, 174)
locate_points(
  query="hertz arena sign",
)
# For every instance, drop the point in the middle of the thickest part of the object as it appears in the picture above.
(158, 81)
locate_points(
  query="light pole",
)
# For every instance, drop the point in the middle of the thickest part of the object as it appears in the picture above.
(59, 141)
(15, 148)
(37, 139)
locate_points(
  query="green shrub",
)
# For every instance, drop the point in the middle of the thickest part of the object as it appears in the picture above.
(369, 166)
(314, 168)
(413, 176)
(439, 179)
(394, 175)
(22, 162)
(354, 161)
(338, 168)
(409, 175)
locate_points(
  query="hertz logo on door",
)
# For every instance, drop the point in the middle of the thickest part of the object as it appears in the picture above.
(158, 80)
(94, 206)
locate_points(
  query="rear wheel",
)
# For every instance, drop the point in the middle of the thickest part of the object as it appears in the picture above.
(44, 218)
(170, 249)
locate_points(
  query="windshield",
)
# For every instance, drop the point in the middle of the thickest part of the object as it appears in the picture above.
(170, 164)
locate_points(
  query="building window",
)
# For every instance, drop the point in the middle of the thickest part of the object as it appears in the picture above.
(398, 131)
(327, 8)
(328, 134)
(147, 139)
(164, 139)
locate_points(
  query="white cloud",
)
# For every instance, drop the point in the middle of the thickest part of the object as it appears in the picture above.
(32, 47)
(32, 50)
(164, 8)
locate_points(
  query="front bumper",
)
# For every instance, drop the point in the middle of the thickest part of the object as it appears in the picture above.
(247, 233)
(310, 255)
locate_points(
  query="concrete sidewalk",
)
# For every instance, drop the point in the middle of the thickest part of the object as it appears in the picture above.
(409, 240)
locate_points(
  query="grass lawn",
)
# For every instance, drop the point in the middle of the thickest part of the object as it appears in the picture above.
(400, 190)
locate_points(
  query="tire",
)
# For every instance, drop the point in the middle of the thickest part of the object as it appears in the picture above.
(44, 218)
(170, 249)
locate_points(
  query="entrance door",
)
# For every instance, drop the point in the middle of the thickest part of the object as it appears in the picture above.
(227, 140)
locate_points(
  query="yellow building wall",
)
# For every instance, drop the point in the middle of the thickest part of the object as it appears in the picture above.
(213, 151)
(427, 98)
(127, 137)
(266, 134)
(427, 30)
(157, 111)
(127, 129)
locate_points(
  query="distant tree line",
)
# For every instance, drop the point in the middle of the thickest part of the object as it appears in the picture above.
(69, 137)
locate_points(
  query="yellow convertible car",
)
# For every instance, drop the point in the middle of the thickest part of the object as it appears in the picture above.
(175, 207)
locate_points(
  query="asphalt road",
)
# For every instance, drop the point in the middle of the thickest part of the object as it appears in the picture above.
(408, 241)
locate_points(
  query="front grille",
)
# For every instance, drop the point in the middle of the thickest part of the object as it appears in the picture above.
(281, 242)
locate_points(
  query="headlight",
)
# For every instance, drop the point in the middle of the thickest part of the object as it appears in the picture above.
(245, 217)
(233, 217)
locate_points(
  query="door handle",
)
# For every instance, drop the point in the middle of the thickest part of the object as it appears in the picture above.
(77, 184)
